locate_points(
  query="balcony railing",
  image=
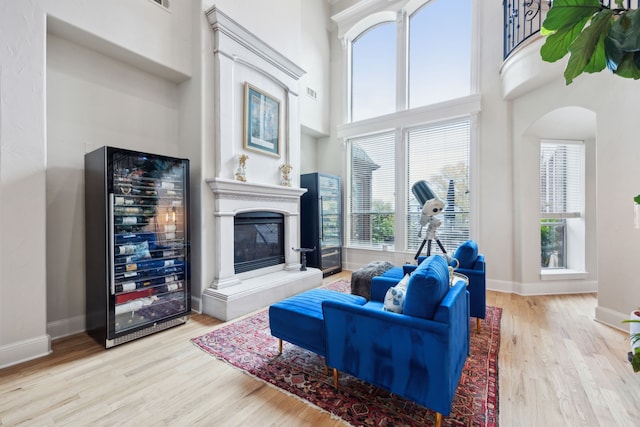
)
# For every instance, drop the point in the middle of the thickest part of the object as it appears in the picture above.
(523, 19)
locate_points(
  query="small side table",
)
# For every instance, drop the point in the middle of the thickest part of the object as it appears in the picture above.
(303, 257)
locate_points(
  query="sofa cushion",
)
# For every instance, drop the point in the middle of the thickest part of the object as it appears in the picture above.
(428, 284)
(466, 254)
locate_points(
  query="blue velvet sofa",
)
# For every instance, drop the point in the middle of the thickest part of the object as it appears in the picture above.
(471, 264)
(417, 354)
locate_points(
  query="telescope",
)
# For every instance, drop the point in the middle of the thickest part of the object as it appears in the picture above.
(432, 205)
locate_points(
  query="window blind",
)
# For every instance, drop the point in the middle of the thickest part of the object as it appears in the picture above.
(561, 179)
(372, 195)
(440, 154)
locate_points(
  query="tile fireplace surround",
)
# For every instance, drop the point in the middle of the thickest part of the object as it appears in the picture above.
(233, 295)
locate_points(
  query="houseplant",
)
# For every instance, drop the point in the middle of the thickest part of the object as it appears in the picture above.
(634, 337)
(596, 36)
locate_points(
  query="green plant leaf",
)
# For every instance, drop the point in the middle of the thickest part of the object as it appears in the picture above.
(632, 34)
(598, 60)
(557, 44)
(628, 67)
(637, 199)
(613, 42)
(586, 44)
(567, 13)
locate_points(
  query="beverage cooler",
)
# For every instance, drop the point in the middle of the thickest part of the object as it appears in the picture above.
(321, 221)
(137, 244)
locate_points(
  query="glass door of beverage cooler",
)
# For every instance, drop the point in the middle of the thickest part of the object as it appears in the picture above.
(148, 223)
(330, 224)
(329, 212)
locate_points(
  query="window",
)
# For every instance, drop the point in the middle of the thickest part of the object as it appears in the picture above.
(439, 52)
(439, 154)
(373, 72)
(372, 198)
(399, 60)
(562, 204)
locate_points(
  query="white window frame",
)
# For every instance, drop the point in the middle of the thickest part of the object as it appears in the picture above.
(350, 26)
(575, 223)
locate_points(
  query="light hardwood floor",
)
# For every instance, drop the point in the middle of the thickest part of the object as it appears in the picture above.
(557, 367)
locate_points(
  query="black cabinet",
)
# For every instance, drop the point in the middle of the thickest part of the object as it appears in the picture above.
(321, 221)
(137, 241)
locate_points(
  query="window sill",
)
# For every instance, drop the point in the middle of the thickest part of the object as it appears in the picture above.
(563, 274)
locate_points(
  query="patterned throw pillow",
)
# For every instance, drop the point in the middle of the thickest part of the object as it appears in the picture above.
(394, 298)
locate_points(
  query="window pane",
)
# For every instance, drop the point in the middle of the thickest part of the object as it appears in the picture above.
(373, 72)
(561, 182)
(561, 203)
(439, 52)
(553, 237)
(439, 154)
(372, 198)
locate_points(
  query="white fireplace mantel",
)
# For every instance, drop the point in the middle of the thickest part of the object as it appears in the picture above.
(228, 188)
(232, 295)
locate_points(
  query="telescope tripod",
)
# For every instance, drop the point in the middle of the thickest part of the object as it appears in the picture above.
(429, 237)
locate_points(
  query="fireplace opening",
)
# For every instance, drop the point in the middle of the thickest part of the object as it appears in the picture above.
(258, 240)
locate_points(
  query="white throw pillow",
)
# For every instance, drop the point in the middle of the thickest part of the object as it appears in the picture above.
(394, 298)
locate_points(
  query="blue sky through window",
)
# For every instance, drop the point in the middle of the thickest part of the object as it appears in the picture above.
(439, 60)
(439, 52)
(374, 72)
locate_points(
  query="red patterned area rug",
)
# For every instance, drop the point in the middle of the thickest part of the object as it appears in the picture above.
(247, 344)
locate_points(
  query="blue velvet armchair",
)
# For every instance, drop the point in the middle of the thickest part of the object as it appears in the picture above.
(471, 264)
(417, 354)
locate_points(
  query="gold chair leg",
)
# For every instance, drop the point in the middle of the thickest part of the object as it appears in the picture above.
(279, 345)
(335, 378)
(438, 419)
(478, 324)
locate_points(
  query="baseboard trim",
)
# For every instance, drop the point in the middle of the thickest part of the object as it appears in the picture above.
(65, 327)
(612, 318)
(24, 351)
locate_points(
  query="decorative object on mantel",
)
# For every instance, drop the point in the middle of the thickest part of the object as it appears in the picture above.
(303, 257)
(241, 172)
(286, 178)
(634, 338)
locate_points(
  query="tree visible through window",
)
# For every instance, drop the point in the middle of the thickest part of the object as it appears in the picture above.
(439, 154)
(372, 199)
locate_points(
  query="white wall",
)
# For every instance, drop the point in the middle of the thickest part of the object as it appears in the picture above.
(22, 182)
(315, 60)
(276, 22)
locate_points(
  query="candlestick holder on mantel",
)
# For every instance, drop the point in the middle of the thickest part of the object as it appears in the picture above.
(303, 257)
(241, 172)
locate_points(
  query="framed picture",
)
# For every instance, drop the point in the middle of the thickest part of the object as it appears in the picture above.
(261, 121)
